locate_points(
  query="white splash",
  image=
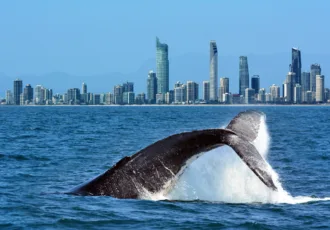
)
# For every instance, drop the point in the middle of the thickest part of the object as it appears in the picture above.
(221, 176)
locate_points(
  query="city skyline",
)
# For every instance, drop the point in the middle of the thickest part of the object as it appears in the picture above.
(199, 80)
(294, 89)
(87, 42)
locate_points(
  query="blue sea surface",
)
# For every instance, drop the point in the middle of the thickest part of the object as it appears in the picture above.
(46, 151)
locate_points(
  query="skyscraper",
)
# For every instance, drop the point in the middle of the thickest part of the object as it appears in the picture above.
(96, 99)
(274, 93)
(297, 94)
(151, 87)
(319, 96)
(118, 94)
(262, 95)
(296, 64)
(305, 84)
(180, 93)
(84, 88)
(243, 75)
(315, 70)
(249, 96)
(18, 89)
(162, 67)
(9, 97)
(38, 95)
(213, 71)
(169, 97)
(309, 97)
(74, 96)
(192, 91)
(289, 85)
(224, 88)
(28, 93)
(128, 87)
(109, 99)
(305, 81)
(206, 90)
(255, 83)
(140, 98)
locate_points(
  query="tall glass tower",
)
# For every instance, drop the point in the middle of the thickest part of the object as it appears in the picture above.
(18, 89)
(255, 83)
(243, 75)
(206, 91)
(213, 71)
(151, 87)
(319, 88)
(224, 88)
(28, 93)
(315, 70)
(296, 64)
(162, 67)
(84, 88)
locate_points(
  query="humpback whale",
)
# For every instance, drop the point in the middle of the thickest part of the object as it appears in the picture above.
(159, 165)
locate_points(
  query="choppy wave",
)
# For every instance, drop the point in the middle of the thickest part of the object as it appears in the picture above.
(221, 176)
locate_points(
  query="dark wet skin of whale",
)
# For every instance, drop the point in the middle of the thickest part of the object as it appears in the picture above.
(162, 163)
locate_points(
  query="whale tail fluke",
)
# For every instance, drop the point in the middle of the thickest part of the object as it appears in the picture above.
(246, 124)
(252, 158)
(156, 165)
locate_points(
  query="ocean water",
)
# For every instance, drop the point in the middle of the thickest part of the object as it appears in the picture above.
(46, 151)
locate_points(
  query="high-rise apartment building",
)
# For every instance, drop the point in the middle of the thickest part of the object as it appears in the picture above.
(151, 87)
(128, 87)
(297, 94)
(243, 75)
(315, 70)
(38, 95)
(227, 98)
(262, 95)
(255, 83)
(84, 94)
(305, 84)
(213, 71)
(180, 93)
(9, 98)
(28, 93)
(274, 93)
(319, 96)
(249, 96)
(140, 99)
(118, 94)
(289, 85)
(169, 97)
(296, 65)
(84, 88)
(305, 81)
(18, 89)
(192, 91)
(224, 88)
(206, 91)
(309, 97)
(162, 67)
(96, 99)
(73, 96)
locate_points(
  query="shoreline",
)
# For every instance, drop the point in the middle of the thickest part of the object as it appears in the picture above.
(188, 105)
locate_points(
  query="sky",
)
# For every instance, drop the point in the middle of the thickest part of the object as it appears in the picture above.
(81, 37)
